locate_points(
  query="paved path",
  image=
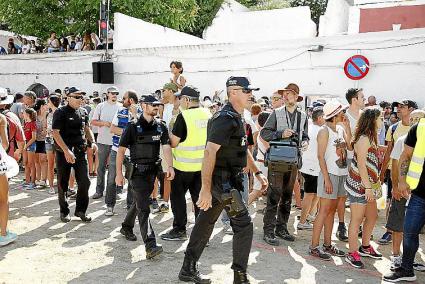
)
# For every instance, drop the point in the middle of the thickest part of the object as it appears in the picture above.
(48, 251)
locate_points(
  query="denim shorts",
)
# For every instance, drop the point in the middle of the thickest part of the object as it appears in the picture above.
(32, 147)
(356, 199)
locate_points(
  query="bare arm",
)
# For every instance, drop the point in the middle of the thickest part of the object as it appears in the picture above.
(404, 162)
(59, 140)
(120, 159)
(116, 130)
(168, 157)
(3, 132)
(385, 163)
(174, 140)
(361, 149)
(32, 140)
(89, 134)
(322, 142)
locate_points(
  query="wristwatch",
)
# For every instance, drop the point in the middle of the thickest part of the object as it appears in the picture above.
(258, 173)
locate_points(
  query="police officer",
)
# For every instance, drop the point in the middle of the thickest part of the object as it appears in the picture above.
(188, 139)
(72, 135)
(224, 158)
(285, 122)
(144, 139)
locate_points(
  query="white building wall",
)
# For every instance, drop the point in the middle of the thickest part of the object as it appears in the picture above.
(257, 26)
(395, 73)
(335, 19)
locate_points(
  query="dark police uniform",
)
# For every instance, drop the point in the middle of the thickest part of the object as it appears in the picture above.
(71, 124)
(226, 128)
(144, 139)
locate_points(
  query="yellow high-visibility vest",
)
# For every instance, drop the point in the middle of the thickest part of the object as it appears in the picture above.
(417, 163)
(188, 155)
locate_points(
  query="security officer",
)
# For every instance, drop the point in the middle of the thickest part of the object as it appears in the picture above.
(144, 139)
(188, 139)
(285, 122)
(224, 158)
(72, 135)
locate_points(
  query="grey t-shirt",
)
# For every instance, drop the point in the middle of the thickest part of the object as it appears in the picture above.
(105, 111)
(17, 108)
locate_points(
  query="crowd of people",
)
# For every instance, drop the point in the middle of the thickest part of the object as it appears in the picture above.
(173, 141)
(88, 41)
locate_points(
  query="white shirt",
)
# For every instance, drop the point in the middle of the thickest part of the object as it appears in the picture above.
(398, 148)
(310, 164)
(248, 119)
(333, 155)
(167, 114)
(105, 111)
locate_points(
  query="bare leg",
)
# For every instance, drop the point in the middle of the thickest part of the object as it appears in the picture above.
(341, 209)
(51, 167)
(297, 193)
(357, 215)
(325, 209)
(397, 240)
(306, 206)
(329, 223)
(43, 164)
(4, 204)
(369, 223)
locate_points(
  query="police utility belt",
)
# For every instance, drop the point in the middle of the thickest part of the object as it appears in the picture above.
(143, 168)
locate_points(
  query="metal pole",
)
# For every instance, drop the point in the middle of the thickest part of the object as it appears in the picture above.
(107, 31)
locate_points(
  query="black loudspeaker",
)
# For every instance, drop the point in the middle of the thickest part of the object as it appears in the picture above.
(103, 72)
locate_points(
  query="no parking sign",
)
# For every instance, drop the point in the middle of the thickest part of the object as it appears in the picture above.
(356, 67)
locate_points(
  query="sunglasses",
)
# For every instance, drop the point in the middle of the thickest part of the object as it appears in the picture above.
(245, 91)
(76, 97)
(275, 99)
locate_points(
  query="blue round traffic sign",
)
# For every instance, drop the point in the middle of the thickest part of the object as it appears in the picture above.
(356, 67)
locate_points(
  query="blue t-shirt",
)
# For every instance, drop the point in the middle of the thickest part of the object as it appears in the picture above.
(121, 119)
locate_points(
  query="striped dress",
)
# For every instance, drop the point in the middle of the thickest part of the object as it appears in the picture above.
(353, 184)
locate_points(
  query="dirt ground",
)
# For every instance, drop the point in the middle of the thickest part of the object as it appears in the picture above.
(48, 251)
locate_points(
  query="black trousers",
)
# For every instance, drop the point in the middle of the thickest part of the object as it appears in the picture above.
(279, 199)
(182, 182)
(204, 225)
(143, 184)
(81, 176)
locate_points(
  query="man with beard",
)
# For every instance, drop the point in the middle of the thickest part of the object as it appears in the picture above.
(144, 139)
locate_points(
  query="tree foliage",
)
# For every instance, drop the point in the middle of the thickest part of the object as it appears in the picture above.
(39, 17)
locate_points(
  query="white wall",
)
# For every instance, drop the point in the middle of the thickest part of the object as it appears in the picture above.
(395, 72)
(257, 26)
(335, 19)
(135, 33)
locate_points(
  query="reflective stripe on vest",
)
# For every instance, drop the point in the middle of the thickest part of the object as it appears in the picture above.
(188, 155)
(417, 163)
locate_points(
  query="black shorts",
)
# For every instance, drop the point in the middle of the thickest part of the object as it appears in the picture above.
(310, 183)
(40, 147)
(396, 215)
(389, 184)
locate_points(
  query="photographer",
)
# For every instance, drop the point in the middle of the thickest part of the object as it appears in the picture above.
(286, 122)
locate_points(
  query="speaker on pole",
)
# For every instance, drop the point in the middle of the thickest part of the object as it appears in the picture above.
(103, 72)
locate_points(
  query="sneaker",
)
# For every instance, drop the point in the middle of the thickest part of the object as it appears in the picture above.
(333, 250)
(311, 218)
(24, 185)
(386, 238)
(395, 262)
(174, 235)
(306, 226)
(41, 184)
(319, 253)
(271, 239)
(155, 205)
(418, 266)
(30, 186)
(164, 208)
(400, 275)
(284, 234)
(9, 238)
(341, 233)
(152, 252)
(353, 258)
(109, 211)
(97, 195)
(370, 252)
(52, 191)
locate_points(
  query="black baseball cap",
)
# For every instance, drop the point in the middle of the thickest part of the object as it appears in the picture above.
(149, 99)
(189, 91)
(408, 103)
(241, 82)
(73, 90)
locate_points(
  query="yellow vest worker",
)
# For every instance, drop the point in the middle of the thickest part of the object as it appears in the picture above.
(417, 162)
(188, 155)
